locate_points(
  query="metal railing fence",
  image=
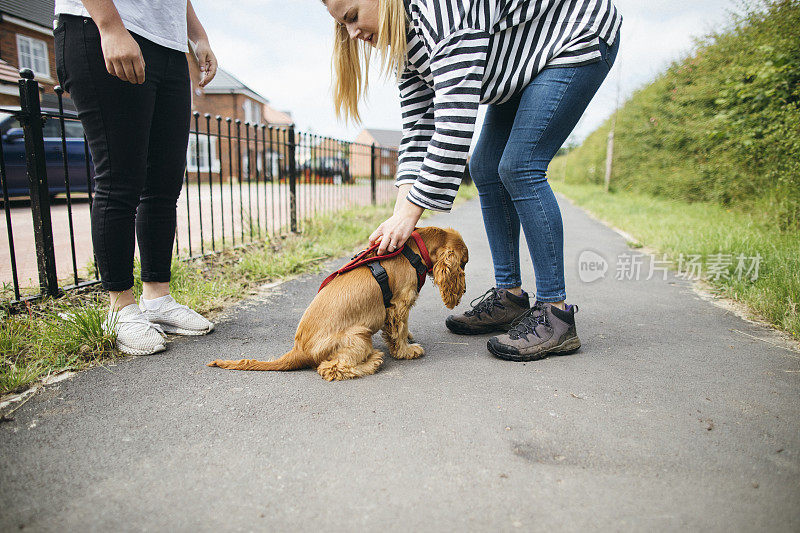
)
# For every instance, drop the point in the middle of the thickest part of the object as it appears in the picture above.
(244, 183)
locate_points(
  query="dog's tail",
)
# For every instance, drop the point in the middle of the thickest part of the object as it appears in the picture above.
(291, 360)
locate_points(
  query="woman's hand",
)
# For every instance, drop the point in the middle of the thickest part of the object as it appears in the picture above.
(200, 47)
(395, 231)
(122, 54)
(206, 59)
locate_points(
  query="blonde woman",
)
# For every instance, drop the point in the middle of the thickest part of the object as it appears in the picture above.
(537, 63)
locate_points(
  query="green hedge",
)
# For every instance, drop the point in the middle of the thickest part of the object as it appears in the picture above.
(723, 125)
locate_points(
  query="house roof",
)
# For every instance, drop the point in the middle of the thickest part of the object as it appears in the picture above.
(8, 73)
(386, 138)
(51, 100)
(36, 11)
(225, 83)
(273, 116)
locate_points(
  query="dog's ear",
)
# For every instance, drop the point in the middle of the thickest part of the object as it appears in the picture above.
(449, 276)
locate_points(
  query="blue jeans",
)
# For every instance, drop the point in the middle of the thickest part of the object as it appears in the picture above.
(509, 167)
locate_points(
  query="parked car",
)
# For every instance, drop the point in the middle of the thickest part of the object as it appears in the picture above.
(335, 169)
(14, 155)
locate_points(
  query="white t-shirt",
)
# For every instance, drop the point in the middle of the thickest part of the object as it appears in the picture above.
(160, 21)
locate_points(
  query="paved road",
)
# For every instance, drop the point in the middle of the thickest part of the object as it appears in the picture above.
(672, 416)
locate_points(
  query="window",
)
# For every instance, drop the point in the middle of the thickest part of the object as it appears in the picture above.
(33, 55)
(252, 111)
(191, 154)
(52, 129)
(73, 129)
(8, 122)
(259, 158)
(274, 159)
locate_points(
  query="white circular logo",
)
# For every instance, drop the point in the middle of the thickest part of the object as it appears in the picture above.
(591, 266)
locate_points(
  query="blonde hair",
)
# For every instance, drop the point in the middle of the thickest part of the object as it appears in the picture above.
(351, 58)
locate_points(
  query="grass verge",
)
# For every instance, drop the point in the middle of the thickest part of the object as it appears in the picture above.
(66, 334)
(706, 229)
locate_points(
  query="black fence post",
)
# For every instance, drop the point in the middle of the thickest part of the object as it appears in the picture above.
(292, 181)
(373, 181)
(31, 120)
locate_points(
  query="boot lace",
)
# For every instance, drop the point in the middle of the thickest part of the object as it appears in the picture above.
(527, 322)
(485, 304)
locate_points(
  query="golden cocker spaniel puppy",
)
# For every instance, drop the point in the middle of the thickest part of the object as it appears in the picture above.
(335, 333)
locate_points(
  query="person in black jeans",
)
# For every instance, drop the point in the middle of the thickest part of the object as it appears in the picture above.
(127, 72)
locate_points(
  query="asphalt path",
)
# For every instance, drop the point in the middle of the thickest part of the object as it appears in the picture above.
(675, 414)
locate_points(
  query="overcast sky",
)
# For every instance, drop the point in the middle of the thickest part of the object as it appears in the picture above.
(281, 49)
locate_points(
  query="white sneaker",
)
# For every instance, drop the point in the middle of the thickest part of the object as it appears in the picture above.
(135, 334)
(174, 317)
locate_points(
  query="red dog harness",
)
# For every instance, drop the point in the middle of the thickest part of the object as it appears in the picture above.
(423, 266)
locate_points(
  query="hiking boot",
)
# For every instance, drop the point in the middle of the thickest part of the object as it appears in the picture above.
(135, 335)
(175, 318)
(495, 311)
(542, 331)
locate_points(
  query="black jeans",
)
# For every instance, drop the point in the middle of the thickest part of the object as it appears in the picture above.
(137, 137)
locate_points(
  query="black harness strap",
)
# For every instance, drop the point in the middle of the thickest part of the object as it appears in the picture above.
(380, 275)
(418, 264)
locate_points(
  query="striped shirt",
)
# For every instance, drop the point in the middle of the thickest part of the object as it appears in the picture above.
(462, 53)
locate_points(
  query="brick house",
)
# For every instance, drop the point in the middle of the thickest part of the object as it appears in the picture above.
(386, 143)
(227, 96)
(26, 41)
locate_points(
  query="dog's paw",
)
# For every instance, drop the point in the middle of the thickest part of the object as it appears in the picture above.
(411, 351)
(417, 350)
(330, 371)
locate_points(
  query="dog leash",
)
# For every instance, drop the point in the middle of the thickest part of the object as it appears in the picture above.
(422, 265)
